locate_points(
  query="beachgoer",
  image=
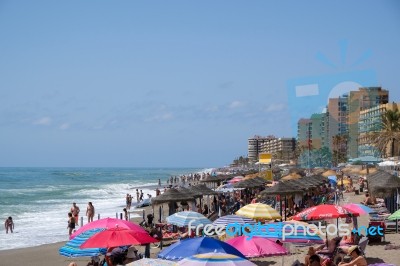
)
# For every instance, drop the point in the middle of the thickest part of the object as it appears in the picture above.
(357, 258)
(75, 212)
(205, 210)
(94, 261)
(367, 200)
(141, 195)
(315, 260)
(158, 192)
(137, 195)
(127, 200)
(125, 214)
(71, 223)
(90, 212)
(159, 182)
(9, 224)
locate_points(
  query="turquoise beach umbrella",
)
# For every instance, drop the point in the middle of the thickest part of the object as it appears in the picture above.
(72, 247)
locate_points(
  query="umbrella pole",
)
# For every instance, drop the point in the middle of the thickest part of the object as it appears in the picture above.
(280, 206)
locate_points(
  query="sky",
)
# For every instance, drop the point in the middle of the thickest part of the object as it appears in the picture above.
(173, 83)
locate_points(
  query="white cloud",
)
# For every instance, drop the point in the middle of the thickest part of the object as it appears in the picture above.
(160, 117)
(274, 107)
(236, 104)
(44, 121)
(64, 126)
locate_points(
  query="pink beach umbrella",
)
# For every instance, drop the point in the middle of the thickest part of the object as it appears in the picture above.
(358, 208)
(236, 179)
(215, 258)
(257, 246)
(108, 223)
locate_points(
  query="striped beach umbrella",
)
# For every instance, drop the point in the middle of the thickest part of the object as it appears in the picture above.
(290, 232)
(72, 247)
(215, 258)
(358, 208)
(259, 211)
(185, 217)
(230, 219)
(257, 247)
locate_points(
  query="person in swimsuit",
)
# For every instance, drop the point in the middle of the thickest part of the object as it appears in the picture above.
(71, 223)
(356, 258)
(90, 212)
(9, 224)
(75, 212)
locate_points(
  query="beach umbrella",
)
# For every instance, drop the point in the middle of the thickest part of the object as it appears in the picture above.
(259, 211)
(325, 211)
(257, 246)
(395, 216)
(107, 223)
(230, 219)
(72, 247)
(150, 262)
(215, 258)
(184, 218)
(198, 245)
(236, 179)
(358, 208)
(290, 232)
(116, 237)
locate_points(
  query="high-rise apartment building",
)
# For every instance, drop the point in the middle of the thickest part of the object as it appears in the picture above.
(358, 101)
(304, 132)
(371, 121)
(337, 118)
(254, 147)
(280, 148)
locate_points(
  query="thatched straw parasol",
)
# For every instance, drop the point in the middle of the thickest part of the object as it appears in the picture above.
(383, 183)
(171, 195)
(281, 188)
(291, 176)
(329, 173)
(187, 191)
(203, 190)
(301, 183)
(370, 170)
(250, 183)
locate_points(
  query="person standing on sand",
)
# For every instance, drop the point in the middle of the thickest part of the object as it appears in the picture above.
(9, 224)
(90, 212)
(75, 212)
(71, 223)
(137, 195)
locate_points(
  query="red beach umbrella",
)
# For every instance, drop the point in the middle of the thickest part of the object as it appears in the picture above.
(116, 237)
(325, 211)
(108, 223)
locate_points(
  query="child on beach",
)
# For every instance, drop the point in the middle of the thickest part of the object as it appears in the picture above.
(71, 223)
(9, 224)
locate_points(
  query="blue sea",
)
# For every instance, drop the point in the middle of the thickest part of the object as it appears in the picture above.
(39, 199)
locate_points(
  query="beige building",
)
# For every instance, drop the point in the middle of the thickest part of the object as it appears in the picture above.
(280, 148)
(254, 147)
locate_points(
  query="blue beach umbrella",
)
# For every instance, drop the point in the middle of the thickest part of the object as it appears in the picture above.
(199, 245)
(183, 219)
(72, 247)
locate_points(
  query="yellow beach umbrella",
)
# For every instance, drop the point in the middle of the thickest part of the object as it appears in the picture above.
(344, 182)
(259, 211)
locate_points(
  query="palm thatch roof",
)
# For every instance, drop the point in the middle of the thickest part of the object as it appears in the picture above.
(300, 183)
(251, 182)
(188, 191)
(171, 195)
(291, 176)
(202, 190)
(217, 178)
(281, 188)
(329, 173)
(382, 183)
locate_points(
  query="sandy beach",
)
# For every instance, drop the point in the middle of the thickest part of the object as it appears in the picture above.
(47, 255)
